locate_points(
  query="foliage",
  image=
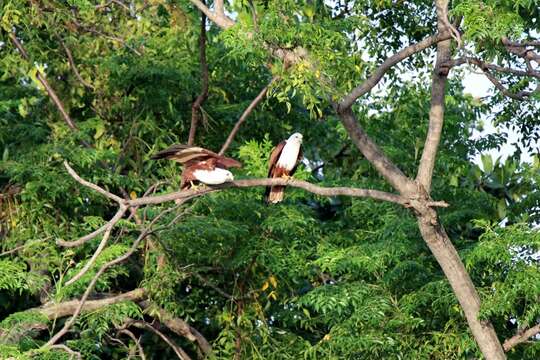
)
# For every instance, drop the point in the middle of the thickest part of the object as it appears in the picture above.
(314, 277)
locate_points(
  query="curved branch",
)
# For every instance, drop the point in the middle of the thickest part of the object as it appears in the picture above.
(244, 116)
(100, 248)
(43, 80)
(521, 337)
(144, 325)
(219, 18)
(376, 76)
(72, 64)
(119, 214)
(92, 186)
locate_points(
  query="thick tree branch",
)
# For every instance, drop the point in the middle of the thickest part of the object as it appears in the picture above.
(196, 106)
(219, 18)
(377, 75)
(43, 80)
(521, 337)
(244, 116)
(436, 112)
(375, 155)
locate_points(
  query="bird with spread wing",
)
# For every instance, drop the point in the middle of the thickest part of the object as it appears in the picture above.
(200, 165)
(283, 162)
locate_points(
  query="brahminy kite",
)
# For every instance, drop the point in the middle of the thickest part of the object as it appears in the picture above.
(200, 165)
(283, 162)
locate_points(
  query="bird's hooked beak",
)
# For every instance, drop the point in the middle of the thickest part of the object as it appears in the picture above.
(230, 177)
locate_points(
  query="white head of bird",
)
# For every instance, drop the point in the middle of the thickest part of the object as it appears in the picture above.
(296, 137)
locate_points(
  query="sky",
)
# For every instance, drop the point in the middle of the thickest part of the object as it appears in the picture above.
(479, 86)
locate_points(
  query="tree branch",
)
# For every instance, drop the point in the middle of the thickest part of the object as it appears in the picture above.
(181, 328)
(43, 80)
(247, 183)
(436, 112)
(377, 75)
(244, 116)
(483, 65)
(196, 106)
(375, 155)
(521, 337)
(220, 19)
(144, 325)
(135, 340)
(100, 248)
(72, 64)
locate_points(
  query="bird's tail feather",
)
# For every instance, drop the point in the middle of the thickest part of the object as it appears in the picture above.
(274, 194)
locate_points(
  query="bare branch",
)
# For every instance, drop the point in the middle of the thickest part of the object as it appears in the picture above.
(520, 96)
(436, 112)
(377, 75)
(135, 340)
(244, 116)
(196, 106)
(43, 80)
(28, 244)
(521, 337)
(180, 327)
(177, 349)
(90, 287)
(220, 19)
(94, 187)
(53, 311)
(100, 248)
(72, 64)
(218, 4)
(119, 214)
(72, 353)
(502, 69)
(375, 155)
(315, 189)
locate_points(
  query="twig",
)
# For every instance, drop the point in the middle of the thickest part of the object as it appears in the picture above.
(7, 252)
(94, 187)
(43, 80)
(177, 349)
(244, 116)
(72, 64)
(119, 214)
(98, 251)
(196, 106)
(180, 327)
(135, 340)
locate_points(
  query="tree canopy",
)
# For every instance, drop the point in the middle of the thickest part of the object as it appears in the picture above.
(391, 241)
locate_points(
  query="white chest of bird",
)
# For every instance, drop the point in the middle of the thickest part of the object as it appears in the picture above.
(213, 177)
(289, 155)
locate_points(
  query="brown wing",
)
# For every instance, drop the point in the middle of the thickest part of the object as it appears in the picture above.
(274, 157)
(191, 155)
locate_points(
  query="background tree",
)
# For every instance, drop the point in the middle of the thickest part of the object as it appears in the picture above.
(103, 85)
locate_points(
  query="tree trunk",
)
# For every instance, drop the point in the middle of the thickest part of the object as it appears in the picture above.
(462, 285)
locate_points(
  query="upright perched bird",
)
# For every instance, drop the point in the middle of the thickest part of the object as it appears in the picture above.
(283, 162)
(200, 165)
